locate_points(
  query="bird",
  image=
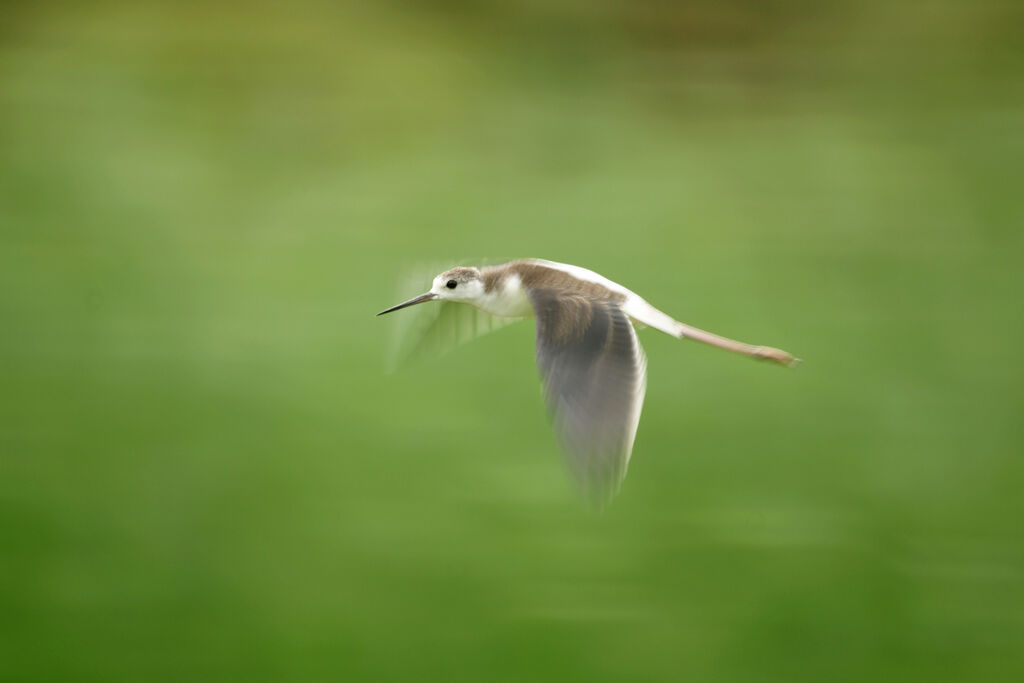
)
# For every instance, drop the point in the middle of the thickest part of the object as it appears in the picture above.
(592, 367)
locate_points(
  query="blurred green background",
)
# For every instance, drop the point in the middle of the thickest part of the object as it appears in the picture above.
(205, 473)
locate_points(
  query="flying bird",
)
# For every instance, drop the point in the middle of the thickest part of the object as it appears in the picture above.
(593, 369)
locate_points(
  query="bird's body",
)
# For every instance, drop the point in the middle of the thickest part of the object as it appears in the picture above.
(506, 290)
(593, 367)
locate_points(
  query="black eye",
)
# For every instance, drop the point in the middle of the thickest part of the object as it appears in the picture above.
(451, 284)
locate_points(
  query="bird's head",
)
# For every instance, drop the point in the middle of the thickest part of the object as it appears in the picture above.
(456, 284)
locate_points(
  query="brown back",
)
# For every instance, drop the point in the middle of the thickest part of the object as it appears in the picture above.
(538, 276)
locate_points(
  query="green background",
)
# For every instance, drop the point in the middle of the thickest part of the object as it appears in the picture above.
(205, 473)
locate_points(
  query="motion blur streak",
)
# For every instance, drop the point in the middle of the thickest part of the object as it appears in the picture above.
(202, 205)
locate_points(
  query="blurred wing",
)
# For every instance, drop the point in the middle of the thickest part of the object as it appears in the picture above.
(453, 324)
(436, 327)
(594, 375)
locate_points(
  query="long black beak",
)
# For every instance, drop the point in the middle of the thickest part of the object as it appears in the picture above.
(422, 298)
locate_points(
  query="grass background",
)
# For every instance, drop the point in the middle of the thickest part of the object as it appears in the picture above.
(205, 474)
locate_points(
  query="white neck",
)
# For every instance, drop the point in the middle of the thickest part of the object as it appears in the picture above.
(507, 300)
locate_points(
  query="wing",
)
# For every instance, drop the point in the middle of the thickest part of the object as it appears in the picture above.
(594, 375)
(434, 328)
(454, 324)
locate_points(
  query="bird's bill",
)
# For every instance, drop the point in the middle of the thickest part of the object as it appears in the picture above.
(422, 298)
